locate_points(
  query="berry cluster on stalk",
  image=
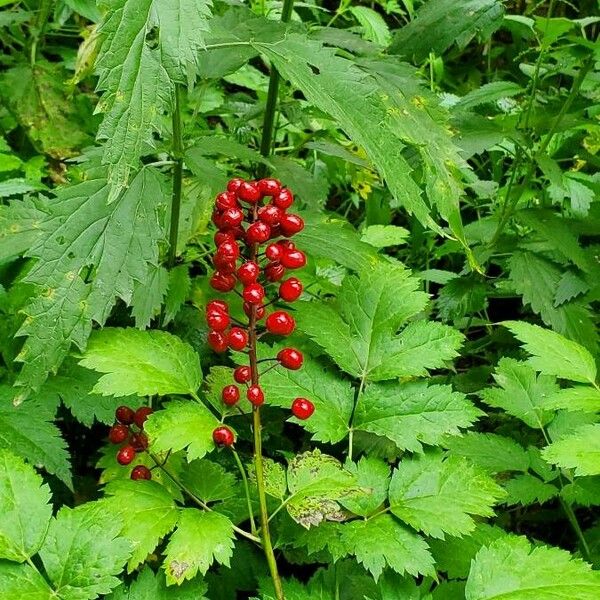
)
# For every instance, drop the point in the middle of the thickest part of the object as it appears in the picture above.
(253, 257)
(129, 431)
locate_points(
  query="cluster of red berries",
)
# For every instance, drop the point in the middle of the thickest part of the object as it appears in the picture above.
(244, 202)
(122, 431)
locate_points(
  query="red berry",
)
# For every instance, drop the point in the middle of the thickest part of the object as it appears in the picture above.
(237, 338)
(284, 199)
(232, 217)
(139, 441)
(224, 266)
(217, 219)
(258, 233)
(275, 232)
(223, 236)
(226, 200)
(249, 192)
(217, 306)
(242, 374)
(280, 323)
(248, 272)
(218, 321)
(125, 455)
(290, 358)
(234, 184)
(287, 244)
(253, 293)
(217, 341)
(222, 282)
(273, 252)
(290, 289)
(124, 415)
(269, 187)
(141, 472)
(228, 251)
(274, 271)
(255, 395)
(230, 394)
(260, 310)
(293, 259)
(270, 214)
(141, 416)
(302, 408)
(223, 436)
(118, 433)
(290, 224)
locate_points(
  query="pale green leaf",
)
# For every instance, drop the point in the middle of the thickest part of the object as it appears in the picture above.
(413, 414)
(581, 397)
(513, 569)
(25, 508)
(526, 489)
(489, 92)
(22, 582)
(579, 450)
(201, 538)
(382, 236)
(437, 496)
(373, 25)
(142, 362)
(584, 491)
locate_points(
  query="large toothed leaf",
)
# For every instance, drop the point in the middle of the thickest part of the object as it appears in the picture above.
(142, 362)
(413, 414)
(511, 568)
(152, 586)
(437, 495)
(579, 450)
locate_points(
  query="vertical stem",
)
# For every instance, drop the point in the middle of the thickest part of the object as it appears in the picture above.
(177, 152)
(246, 490)
(38, 29)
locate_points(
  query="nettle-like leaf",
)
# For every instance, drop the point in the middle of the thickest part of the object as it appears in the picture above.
(512, 569)
(182, 424)
(554, 354)
(28, 430)
(523, 393)
(201, 538)
(526, 489)
(413, 414)
(582, 397)
(373, 477)
(438, 495)
(360, 329)
(88, 252)
(26, 512)
(147, 512)
(579, 450)
(142, 362)
(136, 72)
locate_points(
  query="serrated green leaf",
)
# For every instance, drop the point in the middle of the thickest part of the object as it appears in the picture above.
(570, 286)
(536, 573)
(22, 581)
(553, 354)
(437, 495)
(491, 451)
(19, 226)
(526, 489)
(373, 477)
(373, 25)
(489, 92)
(142, 362)
(147, 513)
(201, 538)
(522, 392)
(26, 512)
(209, 481)
(581, 397)
(178, 289)
(182, 424)
(148, 296)
(413, 414)
(584, 491)
(579, 450)
(383, 236)
(83, 553)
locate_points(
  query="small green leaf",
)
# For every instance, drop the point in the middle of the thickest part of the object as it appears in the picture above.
(23, 582)
(582, 397)
(373, 25)
(373, 477)
(209, 481)
(579, 450)
(526, 489)
(383, 236)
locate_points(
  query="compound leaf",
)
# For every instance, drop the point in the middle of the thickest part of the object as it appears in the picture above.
(579, 450)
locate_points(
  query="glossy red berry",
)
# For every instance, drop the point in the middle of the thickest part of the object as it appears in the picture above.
(280, 323)
(141, 416)
(270, 214)
(237, 338)
(226, 200)
(253, 293)
(222, 282)
(242, 374)
(124, 415)
(290, 358)
(284, 199)
(234, 184)
(118, 433)
(223, 436)
(290, 289)
(125, 455)
(232, 217)
(141, 472)
(224, 236)
(274, 271)
(228, 251)
(139, 441)
(273, 252)
(217, 219)
(260, 310)
(218, 306)
(223, 265)
(293, 259)
(219, 321)
(258, 233)
(249, 192)
(217, 341)
(248, 272)
(290, 224)
(230, 394)
(302, 408)
(255, 395)
(269, 187)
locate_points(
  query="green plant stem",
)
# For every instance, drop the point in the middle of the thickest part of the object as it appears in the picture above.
(38, 29)
(246, 490)
(177, 153)
(357, 395)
